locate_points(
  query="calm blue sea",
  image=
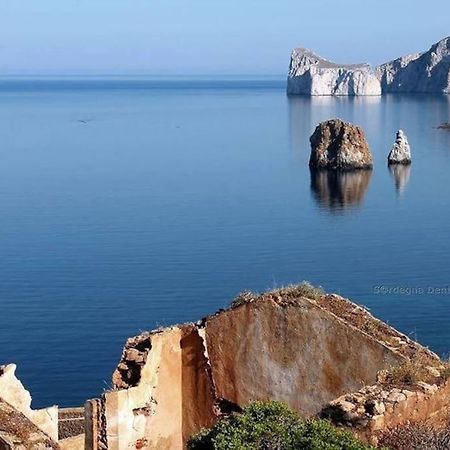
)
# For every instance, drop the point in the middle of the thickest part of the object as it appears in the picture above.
(128, 204)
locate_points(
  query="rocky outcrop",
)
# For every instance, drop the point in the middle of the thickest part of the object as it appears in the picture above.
(309, 74)
(339, 145)
(427, 72)
(401, 151)
(301, 348)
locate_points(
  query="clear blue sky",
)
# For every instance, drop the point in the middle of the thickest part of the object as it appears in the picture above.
(208, 36)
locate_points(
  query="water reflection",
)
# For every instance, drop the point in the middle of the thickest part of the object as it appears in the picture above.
(339, 190)
(401, 174)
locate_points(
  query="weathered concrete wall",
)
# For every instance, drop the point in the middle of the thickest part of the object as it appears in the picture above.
(130, 414)
(298, 354)
(171, 399)
(13, 392)
(172, 382)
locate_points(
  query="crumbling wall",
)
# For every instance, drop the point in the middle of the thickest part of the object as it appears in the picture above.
(378, 408)
(13, 392)
(296, 352)
(17, 432)
(172, 382)
(162, 394)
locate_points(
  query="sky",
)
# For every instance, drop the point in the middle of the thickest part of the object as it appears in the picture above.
(174, 37)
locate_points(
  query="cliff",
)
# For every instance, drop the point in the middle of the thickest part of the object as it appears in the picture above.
(309, 74)
(427, 72)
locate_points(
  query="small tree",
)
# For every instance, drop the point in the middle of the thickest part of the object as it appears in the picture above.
(273, 426)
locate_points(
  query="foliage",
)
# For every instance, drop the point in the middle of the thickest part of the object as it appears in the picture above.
(304, 289)
(273, 426)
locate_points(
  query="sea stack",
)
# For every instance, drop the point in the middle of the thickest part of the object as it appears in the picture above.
(401, 151)
(339, 145)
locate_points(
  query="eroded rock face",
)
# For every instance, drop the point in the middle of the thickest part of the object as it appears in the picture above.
(401, 151)
(427, 72)
(309, 74)
(338, 145)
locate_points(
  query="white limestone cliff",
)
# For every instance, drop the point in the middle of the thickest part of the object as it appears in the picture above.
(309, 74)
(427, 72)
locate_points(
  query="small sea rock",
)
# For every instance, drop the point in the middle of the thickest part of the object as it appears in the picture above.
(401, 151)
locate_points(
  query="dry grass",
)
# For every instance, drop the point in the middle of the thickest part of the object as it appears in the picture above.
(304, 289)
(415, 371)
(416, 437)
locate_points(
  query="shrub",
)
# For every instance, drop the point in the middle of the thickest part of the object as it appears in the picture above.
(273, 426)
(304, 289)
(416, 436)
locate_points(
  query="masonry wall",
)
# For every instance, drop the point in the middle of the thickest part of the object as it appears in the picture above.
(173, 382)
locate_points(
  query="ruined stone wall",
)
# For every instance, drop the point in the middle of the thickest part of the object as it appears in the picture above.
(13, 392)
(378, 408)
(165, 394)
(172, 382)
(17, 432)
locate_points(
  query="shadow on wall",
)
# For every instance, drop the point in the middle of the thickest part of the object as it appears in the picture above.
(339, 190)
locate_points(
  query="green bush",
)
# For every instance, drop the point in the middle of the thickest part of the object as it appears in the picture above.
(273, 426)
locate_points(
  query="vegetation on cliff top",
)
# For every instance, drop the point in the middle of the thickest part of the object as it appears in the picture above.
(273, 426)
(304, 289)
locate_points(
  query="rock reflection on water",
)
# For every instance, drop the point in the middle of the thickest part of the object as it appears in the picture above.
(401, 174)
(339, 190)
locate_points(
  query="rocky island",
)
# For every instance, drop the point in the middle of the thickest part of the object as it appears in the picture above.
(427, 72)
(339, 145)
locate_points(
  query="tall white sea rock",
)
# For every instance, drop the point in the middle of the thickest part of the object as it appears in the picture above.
(309, 74)
(401, 151)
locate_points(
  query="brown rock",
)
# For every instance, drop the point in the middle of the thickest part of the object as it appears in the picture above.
(339, 145)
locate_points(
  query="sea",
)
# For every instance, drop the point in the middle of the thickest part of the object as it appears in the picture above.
(130, 203)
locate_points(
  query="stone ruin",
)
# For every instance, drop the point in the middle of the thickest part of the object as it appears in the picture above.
(320, 354)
